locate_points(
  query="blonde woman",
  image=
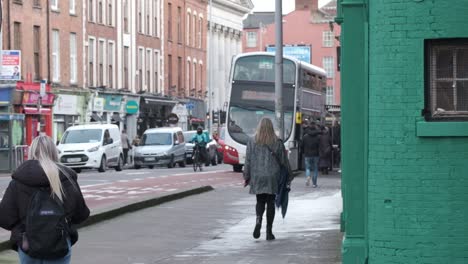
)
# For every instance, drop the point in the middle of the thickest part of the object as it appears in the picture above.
(262, 172)
(42, 173)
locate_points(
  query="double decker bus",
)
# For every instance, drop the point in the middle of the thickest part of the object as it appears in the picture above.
(252, 97)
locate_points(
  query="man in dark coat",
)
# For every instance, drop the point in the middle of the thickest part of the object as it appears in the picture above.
(310, 148)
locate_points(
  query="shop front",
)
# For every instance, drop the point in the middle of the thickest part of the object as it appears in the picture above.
(107, 109)
(132, 109)
(197, 113)
(154, 112)
(37, 109)
(69, 110)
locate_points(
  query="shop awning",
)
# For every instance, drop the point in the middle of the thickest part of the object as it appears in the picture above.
(96, 117)
(116, 118)
(160, 101)
(35, 111)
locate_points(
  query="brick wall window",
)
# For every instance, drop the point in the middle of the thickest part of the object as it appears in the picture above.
(37, 3)
(100, 13)
(91, 70)
(169, 21)
(188, 77)
(101, 62)
(110, 13)
(55, 56)
(54, 4)
(148, 19)
(148, 71)
(156, 72)
(329, 66)
(330, 96)
(447, 79)
(140, 16)
(91, 10)
(140, 68)
(179, 25)
(110, 63)
(179, 74)
(169, 74)
(327, 39)
(200, 32)
(194, 29)
(73, 59)
(37, 52)
(72, 7)
(17, 36)
(187, 29)
(126, 67)
(155, 18)
(125, 17)
(251, 39)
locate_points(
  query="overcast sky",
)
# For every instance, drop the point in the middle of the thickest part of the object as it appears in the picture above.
(269, 5)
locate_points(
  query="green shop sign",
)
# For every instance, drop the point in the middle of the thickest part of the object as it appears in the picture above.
(112, 103)
(132, 107)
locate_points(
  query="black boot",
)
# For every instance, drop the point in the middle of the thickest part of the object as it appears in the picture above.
(258, 226)
(269, 233)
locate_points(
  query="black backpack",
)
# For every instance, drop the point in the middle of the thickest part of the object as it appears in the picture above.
(47, 228)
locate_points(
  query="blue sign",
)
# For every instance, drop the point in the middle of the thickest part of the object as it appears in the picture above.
(189, 105)
(302, 53)
(5, 96)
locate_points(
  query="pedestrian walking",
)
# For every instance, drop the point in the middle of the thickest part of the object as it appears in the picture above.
(325, 150)
(42, 206)
(310, 148)
(125, 145)
(262, 172)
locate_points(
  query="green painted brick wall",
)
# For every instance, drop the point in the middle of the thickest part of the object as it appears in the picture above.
(418, 186)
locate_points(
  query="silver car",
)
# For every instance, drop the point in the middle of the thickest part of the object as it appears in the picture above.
(161, 147)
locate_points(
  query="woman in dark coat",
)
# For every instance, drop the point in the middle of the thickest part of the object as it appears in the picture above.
(325, 150)
(41, 172)
(262, 171)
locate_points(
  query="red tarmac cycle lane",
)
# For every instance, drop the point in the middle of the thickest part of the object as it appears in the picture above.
(107, 195)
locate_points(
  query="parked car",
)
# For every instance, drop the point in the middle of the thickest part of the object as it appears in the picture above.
(160, 147)
(211, 148)
(94, 146)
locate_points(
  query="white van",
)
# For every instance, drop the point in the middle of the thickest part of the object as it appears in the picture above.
(161, 146)
(94, 146)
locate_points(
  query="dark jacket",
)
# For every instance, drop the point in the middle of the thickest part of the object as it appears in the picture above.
(25, 182)
(311, 142)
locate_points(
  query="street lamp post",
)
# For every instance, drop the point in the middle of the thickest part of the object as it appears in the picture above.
(279, 67)
(210, 61)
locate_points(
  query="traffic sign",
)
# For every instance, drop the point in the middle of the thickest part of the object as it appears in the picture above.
(42, 90)
(189, 105)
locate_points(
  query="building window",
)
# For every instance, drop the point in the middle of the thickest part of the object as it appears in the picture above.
(125, 14)
(327, 39)
(200, 80)
(72, 7)
(140, 17)
(148, 20)
(188, 30)
(101, 62)
(54, 4)
(17, 36)
(188, 78)
(251, 39)
(37, 52)
(194, 78)
(110, 63)
(91, 10)
(169, 21)
(179, 75)
(447, 79)
(156, 72)
(126, 67)
(330, 96)
(110, 13)
(169, 72)
(329, 66)
(91, 49)
(100, 13)
(36, 3)
(200, 32)
(194, 33)
(73, 59)
(179, 25)
(148, 71)
(55, 56)
(140, 69)
(155, 18)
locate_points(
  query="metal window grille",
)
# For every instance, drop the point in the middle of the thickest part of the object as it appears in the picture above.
(448, 78)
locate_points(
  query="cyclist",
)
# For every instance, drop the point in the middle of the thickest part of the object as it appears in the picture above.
(201, 139)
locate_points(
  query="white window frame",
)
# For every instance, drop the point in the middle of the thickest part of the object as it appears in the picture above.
(104, 58)
(328, 63)
(54, 5)
(141, 62)
(194, 74)
(251, 44)
(157, 69)
(72, 7)
(92, 43)
(149, 63)
(200, 30)
(200, 79)
(330, 95)
(194, 28)
(327, 39)
(55, 55)
(189, 66)
(111, 60)
(187, 28)
(113, 15)
(73, 58)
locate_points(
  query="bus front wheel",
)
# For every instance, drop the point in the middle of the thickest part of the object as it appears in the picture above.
(237, 168)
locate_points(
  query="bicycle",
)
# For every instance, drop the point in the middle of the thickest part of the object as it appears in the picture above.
(196, 157)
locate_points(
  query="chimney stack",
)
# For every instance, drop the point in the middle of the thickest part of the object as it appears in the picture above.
(311, 5)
